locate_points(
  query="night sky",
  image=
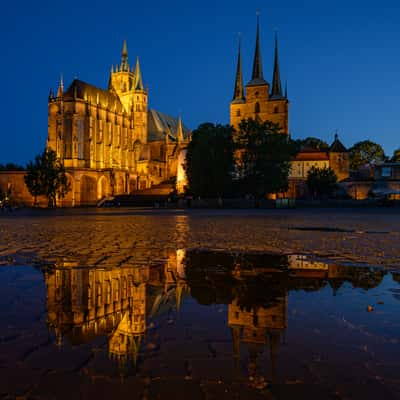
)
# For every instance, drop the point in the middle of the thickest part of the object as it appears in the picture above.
(341, 60)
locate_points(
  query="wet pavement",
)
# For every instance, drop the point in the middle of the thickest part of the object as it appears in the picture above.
(160, 305)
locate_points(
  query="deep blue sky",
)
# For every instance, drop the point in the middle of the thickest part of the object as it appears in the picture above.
(341, 60)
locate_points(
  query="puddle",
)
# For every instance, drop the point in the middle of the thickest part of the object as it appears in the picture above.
(200, 324)
(332, 229)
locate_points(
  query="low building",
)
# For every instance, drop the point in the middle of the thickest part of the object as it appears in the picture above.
(336, 157)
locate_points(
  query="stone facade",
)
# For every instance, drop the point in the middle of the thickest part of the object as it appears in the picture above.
(258, 100)
(108, 140)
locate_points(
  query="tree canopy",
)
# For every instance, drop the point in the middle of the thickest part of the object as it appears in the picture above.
(210, 160)
(396, 156)
(11, 167)
(321, 182)
(263, 157)
(366, 152)
(46, 176)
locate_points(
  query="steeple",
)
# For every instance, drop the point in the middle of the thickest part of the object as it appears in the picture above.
(138, 76)
(276, 79)
(286, 90)
(179, 131)
(60, 89)
(124, 58)
(257, 77)
(238, 94)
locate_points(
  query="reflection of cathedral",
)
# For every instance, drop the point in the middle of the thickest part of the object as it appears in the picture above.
(84, 303)
(108, 140)
(117, 302)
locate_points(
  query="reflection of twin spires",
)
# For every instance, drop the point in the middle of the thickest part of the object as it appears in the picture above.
(251, 328)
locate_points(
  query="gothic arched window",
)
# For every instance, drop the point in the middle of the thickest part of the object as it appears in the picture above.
(238, 113)
(257, 108)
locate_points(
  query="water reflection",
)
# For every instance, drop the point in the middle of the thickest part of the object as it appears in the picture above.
(120, 303)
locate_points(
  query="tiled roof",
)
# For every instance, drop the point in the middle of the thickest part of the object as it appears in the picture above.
(83, 90)
(337, 147)
(311, 156)
(158, 124)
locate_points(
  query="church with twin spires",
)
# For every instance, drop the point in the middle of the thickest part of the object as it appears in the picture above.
(109, 141)
(258, 99)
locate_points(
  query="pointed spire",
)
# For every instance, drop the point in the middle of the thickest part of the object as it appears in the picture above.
(257, 76)
(51, 95)
(276, 79)
(179, 131)
(124, 58)
(238, 94)
(112, 69)
(286, 90)
(138, 76)
(60, 89)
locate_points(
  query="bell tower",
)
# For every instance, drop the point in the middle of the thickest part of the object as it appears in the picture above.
(127, 83)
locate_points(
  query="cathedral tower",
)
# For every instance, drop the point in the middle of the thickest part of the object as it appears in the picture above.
(258, 101)
(127, 84)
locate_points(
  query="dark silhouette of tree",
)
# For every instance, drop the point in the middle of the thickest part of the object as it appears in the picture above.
(11, 167)
(263, 157)
(210, 160)
(321, 182)
(396, 156)
(366, 152)
(46, 176)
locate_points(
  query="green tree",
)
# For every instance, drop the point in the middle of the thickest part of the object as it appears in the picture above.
(396, 156)
(210, 160)
(46, 176)
(321, 182)
(33, 178)
(263, 157)
(366, 152)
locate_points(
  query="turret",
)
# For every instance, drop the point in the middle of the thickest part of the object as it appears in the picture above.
(179, 131)
(138, 85)
(60, 89)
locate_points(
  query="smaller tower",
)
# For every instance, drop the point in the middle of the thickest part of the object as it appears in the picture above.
(339, 159)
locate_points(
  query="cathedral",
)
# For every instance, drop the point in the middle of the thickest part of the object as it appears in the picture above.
(109, 141)
(258, 100)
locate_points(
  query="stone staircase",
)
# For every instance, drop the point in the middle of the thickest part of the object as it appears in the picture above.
(146, 197)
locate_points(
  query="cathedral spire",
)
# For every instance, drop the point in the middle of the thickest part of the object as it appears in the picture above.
(138, 76)
(238, 94)
(276, 79)
(286, 90)
(179, 131)
(257, 76)
(124, 58)
(60, 89)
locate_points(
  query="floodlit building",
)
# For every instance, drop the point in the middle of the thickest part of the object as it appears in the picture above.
(258, 99)
(109, 140)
